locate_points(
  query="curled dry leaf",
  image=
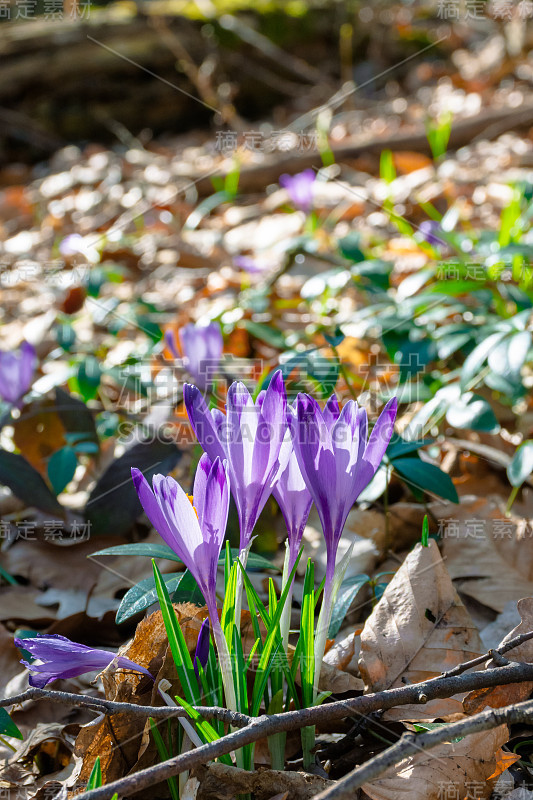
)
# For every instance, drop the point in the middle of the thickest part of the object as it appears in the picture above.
(119, 739)
(418, 629)
(487, 553)
(467, 768)
(501, 696)
(345, 653)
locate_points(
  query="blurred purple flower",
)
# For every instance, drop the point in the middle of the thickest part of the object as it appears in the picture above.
(16, 372)
(74, 244)
(336, 460)
(194, 530)
(430, 230)
(251, 265)
(201, 346)
(300, 188)
(61, 658)
(201, 653)
(249, 436)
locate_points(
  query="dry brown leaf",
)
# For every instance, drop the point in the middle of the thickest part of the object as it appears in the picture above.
(418, 629)
(487, 554)
(119, 739)
(222, 782)
(410, 161)
(38, 433)
(501, 696)
(460, 769)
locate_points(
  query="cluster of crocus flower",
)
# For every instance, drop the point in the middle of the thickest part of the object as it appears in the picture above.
(201, 347)
(301, 453)
(16, 373)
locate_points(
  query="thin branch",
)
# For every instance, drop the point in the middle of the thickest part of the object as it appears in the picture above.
(493, 653)
(412, 743)
(292, 720)
(100, 705)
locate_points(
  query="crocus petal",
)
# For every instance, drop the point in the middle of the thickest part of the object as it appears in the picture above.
(201, 653)
(28, 359)
(62, 658)
(202, 347)
(314, 449)
(214, 341)
(151, 507)
(200, 484)
(381, 434)
(16, 372)
(335, 460)
(195, 531)
(270, 430)
(331, 411)
(170, 342)
(241, 427)
(203, 422)
(300, 188)
(181, 520)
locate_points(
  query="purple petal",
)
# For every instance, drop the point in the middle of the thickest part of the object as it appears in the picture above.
(331, 411)
(65, 659)
(200, 484)
(170, 342)
(300, 188)
(381, 434)
(203, 422)
(201, 653)
(151, 507)
(270, 430)
(16, 372)
(202, 348)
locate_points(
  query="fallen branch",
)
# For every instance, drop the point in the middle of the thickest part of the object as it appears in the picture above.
(411, 743)
(101, 705)
(255, 177)
(493, 653)
(292, 720)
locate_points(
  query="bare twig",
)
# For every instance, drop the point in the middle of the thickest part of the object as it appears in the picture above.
(493, 653)
(267, 725)
(411, 743)
(102, 706)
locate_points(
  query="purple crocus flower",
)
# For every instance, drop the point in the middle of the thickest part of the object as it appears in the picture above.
(251, 265)
(194, 530)
(16, 372)
(300, 188)
(249, 436)
(337, 463)
(201, 653)
(201, 346)
(336, 460)
(58, 657)
(430, 230)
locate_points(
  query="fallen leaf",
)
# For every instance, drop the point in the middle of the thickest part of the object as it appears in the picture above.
(501, 696)
(38, 433)
(461, 769)
(487, 553)
(222, 782)
(419, 629)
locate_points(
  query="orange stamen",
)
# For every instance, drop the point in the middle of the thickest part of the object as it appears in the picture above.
(191, 501)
